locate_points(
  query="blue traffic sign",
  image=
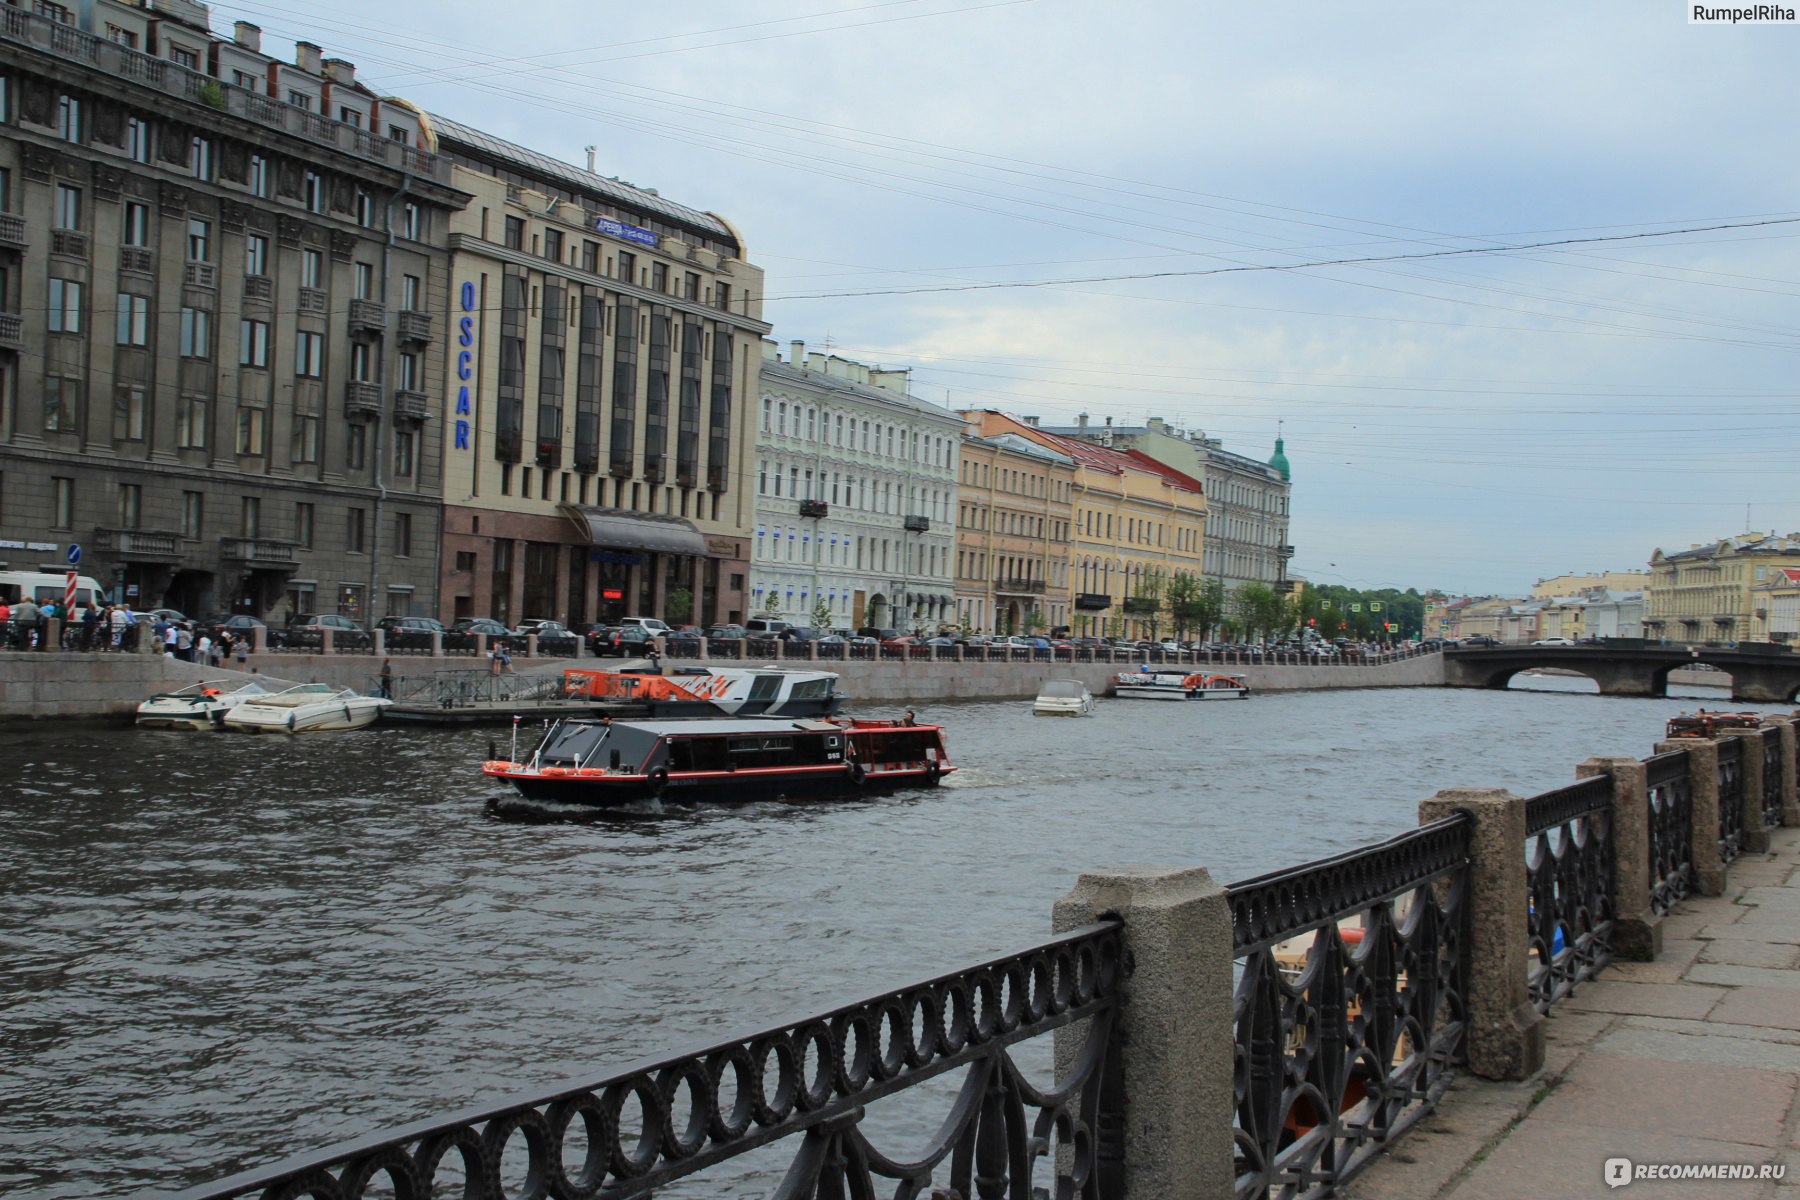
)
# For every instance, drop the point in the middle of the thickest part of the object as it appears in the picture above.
(74, 554)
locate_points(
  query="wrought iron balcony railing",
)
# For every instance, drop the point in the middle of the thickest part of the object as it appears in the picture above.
(1092, 601)
(917, 524)
(1021, 584)
(814, 508)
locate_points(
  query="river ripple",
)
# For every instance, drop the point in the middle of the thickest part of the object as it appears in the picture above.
(219, 950)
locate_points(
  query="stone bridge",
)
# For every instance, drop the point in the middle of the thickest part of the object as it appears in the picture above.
(1761, 674)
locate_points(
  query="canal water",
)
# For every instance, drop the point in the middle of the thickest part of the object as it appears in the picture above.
(218, 950)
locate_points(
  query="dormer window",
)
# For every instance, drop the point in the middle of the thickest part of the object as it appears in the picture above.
(184, 58)
(350, 117)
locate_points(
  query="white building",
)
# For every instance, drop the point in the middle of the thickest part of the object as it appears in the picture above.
(855, 496)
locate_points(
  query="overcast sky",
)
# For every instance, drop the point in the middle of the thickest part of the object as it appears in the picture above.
(1471, 422)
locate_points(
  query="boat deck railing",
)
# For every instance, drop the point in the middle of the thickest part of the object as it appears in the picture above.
(466, 689)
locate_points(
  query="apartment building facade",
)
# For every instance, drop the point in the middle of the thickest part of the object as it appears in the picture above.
(1014, 513)
(855, 495)
(599, 410)
(217, 279)
(1706, 593)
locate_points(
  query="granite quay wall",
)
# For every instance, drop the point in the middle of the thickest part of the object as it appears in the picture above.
(1269, 1037)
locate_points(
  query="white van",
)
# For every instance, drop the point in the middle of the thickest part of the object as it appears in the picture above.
(43, 585)
(649, 624)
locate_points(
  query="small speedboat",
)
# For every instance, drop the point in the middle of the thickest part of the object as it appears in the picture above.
(197, 706)
(309, 708)
(1063, 698)
(1174, 685)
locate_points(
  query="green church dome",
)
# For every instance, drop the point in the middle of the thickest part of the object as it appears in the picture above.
(1280, 462)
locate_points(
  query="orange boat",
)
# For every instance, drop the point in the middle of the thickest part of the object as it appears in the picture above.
(711, 691)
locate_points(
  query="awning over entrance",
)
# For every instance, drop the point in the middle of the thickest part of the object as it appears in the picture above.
(625, 530)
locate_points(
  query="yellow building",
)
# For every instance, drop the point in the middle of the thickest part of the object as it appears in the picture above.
(1705, 593)
(1014, 510)
(1135, 524)
(1561, 586)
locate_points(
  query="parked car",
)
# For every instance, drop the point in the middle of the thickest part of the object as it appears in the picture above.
(624, 641)
(308, 629)
(1479, 639)
(552, 636)
(242, 625)
(408, 633)
(470, 626)
(651, 623)
(729, 633)
(1554, 641)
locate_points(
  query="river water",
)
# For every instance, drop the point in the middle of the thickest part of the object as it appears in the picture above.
(219, 950)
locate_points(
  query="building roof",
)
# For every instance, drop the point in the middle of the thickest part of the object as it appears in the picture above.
(533, 163)
(773, 368)
(1748, 543)
(1112, 462)
(1180, 479)
(1020, 444)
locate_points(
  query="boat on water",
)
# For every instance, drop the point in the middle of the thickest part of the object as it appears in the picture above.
(1705, 724)
(197, 706)
(770, 691)
(599, 763)
(1063, 698)
(1176, 685)
(309, 708)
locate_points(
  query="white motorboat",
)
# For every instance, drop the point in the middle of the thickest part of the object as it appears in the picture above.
(197, 706)
(1063, 698)
(309, 708)
(1175, 685)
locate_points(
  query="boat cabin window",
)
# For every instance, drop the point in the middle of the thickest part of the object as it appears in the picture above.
(812, 689)
(1061, 689)
(570, 744)
(764, 687)
(897, 746)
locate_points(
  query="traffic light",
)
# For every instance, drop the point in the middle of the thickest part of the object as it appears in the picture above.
(1312, 620)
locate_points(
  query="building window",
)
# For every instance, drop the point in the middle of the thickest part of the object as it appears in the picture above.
(309, 355)
(250, 517)
(62, 502)
(590, 257)
(193, 513)
(402, 535)
(137, 140)
(690, 286)
(300, 100)
(553, 245)
(412, 222)
(722, 295)
(397, 134)
(362, 363)
(356, 447)
(190, 422)
(50, 11)
(303, 525)
(304, 447)
(62, 404)
(259, 176)
(412, 373)
(200, 158)
(196, 333)
(409, 293)
(199, 240)
(365, 281)
(353, 531)
(256, 255)
(403, 453)
(312, 192)
(68, 118)
(65, 306)
(251, 430)
(350, 117)
(121, 37)
(134, 320)
(365, 209)
(253, 344)
(136, 225)
(515, 233)
(312, 264)
(627, 266)
(659, 277)
(131, 505)
(183, 57)
(244, 79)
(68, 207)
(128, 413)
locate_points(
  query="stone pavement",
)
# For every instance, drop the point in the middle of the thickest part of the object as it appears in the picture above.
(1693, 1058)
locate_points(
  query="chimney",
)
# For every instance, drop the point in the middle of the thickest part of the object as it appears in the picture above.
(1155, 423)
(1031, 421)
(341, 72)
(1109, 422)
(797, 355)
(1081, 422)
(306, 57)
(590, 154)
(248, 36)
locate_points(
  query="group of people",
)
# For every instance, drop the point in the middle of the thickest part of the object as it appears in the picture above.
(180, 639)
(25, 624)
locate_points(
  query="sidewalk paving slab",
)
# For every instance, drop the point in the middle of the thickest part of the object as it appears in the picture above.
(1567, 1158)
(1776, 1008)
(1645, 999)
(1636, 1095)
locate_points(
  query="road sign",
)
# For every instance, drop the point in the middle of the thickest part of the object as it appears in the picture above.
(74, 555)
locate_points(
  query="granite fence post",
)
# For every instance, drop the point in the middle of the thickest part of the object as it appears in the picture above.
(1790, 769)
(1637, 931)
(1175, 1025)
(1755, 836)
(1506, 1034)
(1703, 786)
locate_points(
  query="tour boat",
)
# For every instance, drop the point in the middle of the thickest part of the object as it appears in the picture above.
(1174, 685)
(309, 708)
(1063, 698)
(602, 763)
(1708, 724)
(197, 706)
(711, 691)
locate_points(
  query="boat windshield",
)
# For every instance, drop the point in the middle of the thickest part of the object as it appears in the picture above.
(571, 744)
(1060, 689)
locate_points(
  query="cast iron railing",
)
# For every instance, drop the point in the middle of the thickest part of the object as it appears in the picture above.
(1731, 799)
(631, 1133)
(1569, 866)
(1771, 779)
(1671, 803)
(461, 689)
(1349, 1015)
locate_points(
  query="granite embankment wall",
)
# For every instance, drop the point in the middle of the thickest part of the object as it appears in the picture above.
(74, 685)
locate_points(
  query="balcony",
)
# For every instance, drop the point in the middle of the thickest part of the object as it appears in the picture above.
(368, 316)
(258, 287)
(68, 243)
(12, 331)
(1092, 601)
(260, 554)
(412, 406)
(362, 399)
(917, 524)
(415, 326)
(138, 545)
(1285, 551)
(1142, 606)
(12, 230)
(312, 302)
(136, 259)
(201, 275)
(814, 508)
(1017, 585)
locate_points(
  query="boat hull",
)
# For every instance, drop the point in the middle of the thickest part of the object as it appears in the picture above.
(707, 787)
(333, 716)
(172, 719)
